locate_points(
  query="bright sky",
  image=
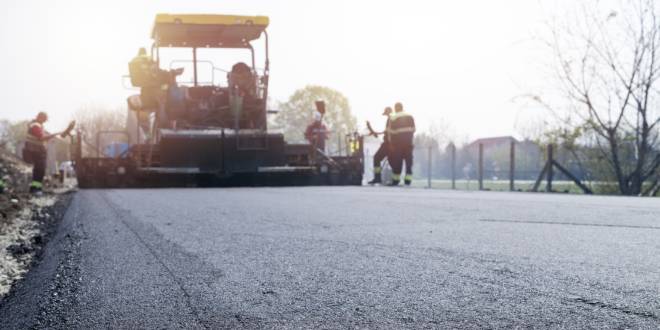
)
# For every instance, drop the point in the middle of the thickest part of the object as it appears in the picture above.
(458, 62)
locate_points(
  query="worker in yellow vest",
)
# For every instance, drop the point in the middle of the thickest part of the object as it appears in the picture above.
(401, 132)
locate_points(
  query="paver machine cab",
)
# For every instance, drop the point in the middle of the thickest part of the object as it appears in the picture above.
(212, 130)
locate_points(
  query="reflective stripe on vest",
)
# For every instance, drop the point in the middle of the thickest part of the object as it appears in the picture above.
(398, 115)
(400, 123)
(402, 130)
(397, 120)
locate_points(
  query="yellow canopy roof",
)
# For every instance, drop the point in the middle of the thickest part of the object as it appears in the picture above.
(203, 30)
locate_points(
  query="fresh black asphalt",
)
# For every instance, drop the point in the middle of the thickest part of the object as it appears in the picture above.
(354, 257)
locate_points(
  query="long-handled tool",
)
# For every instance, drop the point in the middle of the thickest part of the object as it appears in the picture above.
(68, 129)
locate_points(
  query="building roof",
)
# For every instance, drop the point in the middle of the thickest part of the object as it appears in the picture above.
(490, 141)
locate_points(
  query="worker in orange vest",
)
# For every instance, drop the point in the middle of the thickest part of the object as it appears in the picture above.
(316, 132)
(35, 151)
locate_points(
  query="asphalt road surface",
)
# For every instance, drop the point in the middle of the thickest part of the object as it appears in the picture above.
(359, 257)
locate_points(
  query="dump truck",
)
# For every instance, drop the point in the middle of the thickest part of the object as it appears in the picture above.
(210, 129)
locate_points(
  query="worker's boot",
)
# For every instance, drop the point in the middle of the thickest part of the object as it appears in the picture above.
(36, 187)
(377, 179)
(407, 180)
(396, 178)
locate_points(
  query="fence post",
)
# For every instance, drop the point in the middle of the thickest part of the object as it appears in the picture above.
(550, 173)
(364, 163)
(430, 164)
(512, 166)
(453, 166)
(481, 166)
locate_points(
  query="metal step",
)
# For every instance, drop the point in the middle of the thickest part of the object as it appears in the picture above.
(285, 169)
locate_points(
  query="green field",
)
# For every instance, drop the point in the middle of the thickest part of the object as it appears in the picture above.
(503, 185)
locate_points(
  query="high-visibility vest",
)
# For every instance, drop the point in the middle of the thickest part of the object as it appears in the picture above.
(143, 72)
(32, 141)
(401, 129)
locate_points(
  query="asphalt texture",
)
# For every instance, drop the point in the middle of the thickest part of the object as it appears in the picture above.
(355, 257)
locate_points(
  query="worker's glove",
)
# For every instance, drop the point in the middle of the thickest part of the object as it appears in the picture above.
(68, 129)
(177, 71)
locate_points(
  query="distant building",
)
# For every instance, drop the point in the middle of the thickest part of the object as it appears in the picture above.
(491, 142)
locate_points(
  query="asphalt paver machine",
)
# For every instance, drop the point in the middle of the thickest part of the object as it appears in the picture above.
(211, 130)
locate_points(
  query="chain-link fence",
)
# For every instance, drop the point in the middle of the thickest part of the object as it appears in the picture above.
(502, 164)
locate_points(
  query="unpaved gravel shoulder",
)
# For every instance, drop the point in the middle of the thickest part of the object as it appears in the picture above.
(21, 238)
(24, 256)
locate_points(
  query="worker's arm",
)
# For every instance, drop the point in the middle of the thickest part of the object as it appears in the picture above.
(47, 136)
(372, 131)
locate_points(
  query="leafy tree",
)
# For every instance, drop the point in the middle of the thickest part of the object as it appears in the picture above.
(298, 112)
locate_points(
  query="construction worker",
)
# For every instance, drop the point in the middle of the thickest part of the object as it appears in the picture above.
(143, 70)
(316, 133)
(35, 150)
(401, 131)
(383, 150)
(156, 85)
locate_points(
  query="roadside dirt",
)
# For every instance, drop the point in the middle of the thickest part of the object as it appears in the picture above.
(14, 176)
(25, 220)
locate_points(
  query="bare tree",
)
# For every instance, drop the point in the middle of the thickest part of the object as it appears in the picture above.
(13, 134)
(608, 61)
(94, 119)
